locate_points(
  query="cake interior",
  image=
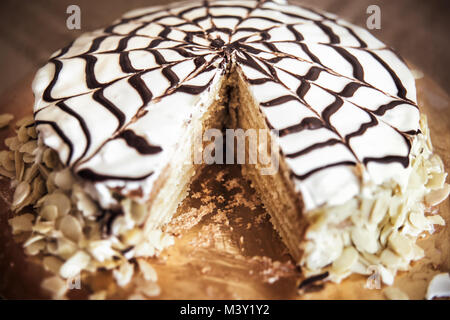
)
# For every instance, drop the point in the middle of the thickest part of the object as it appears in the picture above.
(173, 184)
(232, 108)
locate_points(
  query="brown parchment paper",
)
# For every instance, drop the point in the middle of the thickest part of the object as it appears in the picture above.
(225, 246)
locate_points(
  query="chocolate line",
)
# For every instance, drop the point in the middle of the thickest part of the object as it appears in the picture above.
(309, 173)
(381, 110)
(404, 161)
(350, 89)
(358, 71)
(91, 81)
(334, 38)
(313, 147)
(401, 90)
(138, 143)
(101, 99)
(278, 101)
(82, 123)
(90, 175)
(362, 129)
(311, 280)
(332, 109)
(306, 123)
(125, 63)
(138, 84)
(47, 96)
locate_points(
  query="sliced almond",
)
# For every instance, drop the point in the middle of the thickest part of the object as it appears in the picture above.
(436, 219)
(31, 131)
(49, 213)
(147, 270)
(84, 203)
(124, 273)
(132, 237)
(31, 173)
(365, 240)
(380, 208)
(346, 260)
(13, 143)
(101, 250)
(52, 264)
(6, 161)
(22, 134)
(74, 265)
(385, 233)
(44, 227)
(418, 252)
(27, 158)
(437, 196)
(29, 147)
(366, 207)
(35, 247)
(138, 212)
(32, 240)
(436, 180)
(60, 200)
(21, 193)
(419, 220)
(71, 228)
(401, 244)
(65, 248)
(64, 179)
(121, 224)
(50, 158)
(390, 259)
(19, 165)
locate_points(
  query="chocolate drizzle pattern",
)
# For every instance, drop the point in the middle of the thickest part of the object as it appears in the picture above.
(312, 74)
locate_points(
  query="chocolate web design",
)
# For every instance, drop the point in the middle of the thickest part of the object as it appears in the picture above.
(173, 54)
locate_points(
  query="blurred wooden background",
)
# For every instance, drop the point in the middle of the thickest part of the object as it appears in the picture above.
(31, 30)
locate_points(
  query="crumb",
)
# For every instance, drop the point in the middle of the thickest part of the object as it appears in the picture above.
(189, 219)
(196, 195)
(220, 176)
(232, 184)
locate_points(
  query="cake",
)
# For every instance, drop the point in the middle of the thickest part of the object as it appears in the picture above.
(117, 114)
